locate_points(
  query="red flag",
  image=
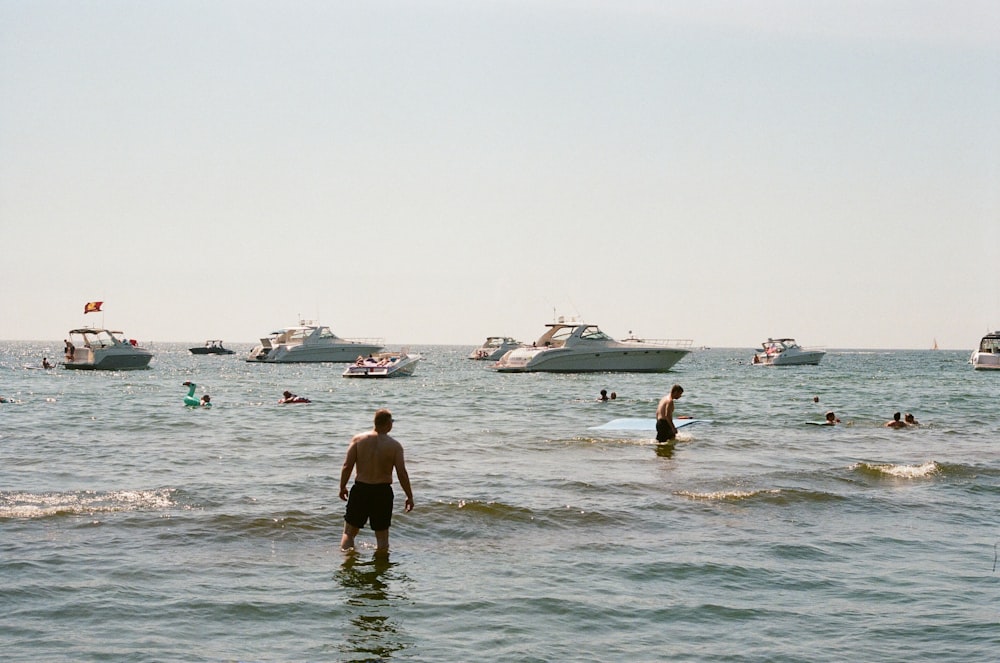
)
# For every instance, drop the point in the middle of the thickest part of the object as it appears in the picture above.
(92, 307)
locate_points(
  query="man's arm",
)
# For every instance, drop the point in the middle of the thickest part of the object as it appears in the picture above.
(348, 469)
(404, 479)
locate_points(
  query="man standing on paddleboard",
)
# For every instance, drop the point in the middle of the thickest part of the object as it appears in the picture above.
(665, 430)
(375, 455)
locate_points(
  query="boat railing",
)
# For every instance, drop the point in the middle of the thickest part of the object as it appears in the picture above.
(681, 343)
(365, 341)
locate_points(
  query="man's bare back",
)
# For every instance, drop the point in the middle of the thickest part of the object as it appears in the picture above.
(375, 456)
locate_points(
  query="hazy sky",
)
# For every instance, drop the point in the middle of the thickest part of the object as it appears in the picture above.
(436, 172)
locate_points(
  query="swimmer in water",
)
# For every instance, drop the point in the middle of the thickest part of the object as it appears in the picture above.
(895, 423)
(289, 397)
(191, 401)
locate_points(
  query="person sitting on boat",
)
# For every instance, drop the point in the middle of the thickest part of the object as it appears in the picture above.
(289, 397)
(360, 361)
(895, 423)
(70, 350)
(191, 401)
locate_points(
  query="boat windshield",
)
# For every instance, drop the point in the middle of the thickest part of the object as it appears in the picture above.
(990, 344)
(594, 334)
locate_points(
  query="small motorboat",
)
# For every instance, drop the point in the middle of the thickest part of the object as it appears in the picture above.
(383, 365)
(495, 347)
(93, 349)
(987, 357)
(577, 347)
(211, 347)
(309, 342)
(786, 352)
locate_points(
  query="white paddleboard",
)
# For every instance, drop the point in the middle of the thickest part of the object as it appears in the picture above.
(645, 424)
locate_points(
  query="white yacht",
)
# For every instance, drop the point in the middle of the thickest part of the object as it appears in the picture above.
(495, 347)
(309, 342)
(92, 349)
(786, 352)
(577, 347)
(383, 365)
(987, 357)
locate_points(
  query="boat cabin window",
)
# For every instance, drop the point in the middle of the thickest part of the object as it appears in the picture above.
(990, 344)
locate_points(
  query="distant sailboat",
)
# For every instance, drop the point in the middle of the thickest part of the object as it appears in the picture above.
(935, 345)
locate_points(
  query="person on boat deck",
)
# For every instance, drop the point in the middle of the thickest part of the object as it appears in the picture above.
(910, 420)
(70, 349)
(45, 363)
(831, 419)
(360, 361)
(289, 397)
(191, 401)
(895, 423)
(665, 429)
(604, 396)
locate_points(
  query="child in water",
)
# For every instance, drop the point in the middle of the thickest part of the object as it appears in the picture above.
(191, 401)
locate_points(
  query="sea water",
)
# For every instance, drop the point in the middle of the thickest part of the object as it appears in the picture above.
(133, 528)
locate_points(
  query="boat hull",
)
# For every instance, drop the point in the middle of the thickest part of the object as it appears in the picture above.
(300, 354)
(985, 361)
(799, 359)
(564, 360)
(133, 361)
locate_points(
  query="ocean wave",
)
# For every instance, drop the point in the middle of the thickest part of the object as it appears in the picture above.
(922, 471)
(765, 495)
(471, 518)
(22, 505)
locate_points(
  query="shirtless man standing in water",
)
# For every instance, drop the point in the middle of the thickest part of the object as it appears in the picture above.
(665, 430)
(375, 455)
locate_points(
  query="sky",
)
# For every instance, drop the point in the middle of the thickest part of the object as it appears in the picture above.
(438, 172)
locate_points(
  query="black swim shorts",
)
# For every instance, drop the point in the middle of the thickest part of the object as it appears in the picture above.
(369, 501)
(664, 430)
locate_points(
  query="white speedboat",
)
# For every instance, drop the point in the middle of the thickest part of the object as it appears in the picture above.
(577, 347)
(383, 365)
(92, 349)
(309, 342)
(495, 347)
(987, 357)
(786, 352)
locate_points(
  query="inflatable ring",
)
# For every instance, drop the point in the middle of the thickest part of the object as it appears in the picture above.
(190, 400)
